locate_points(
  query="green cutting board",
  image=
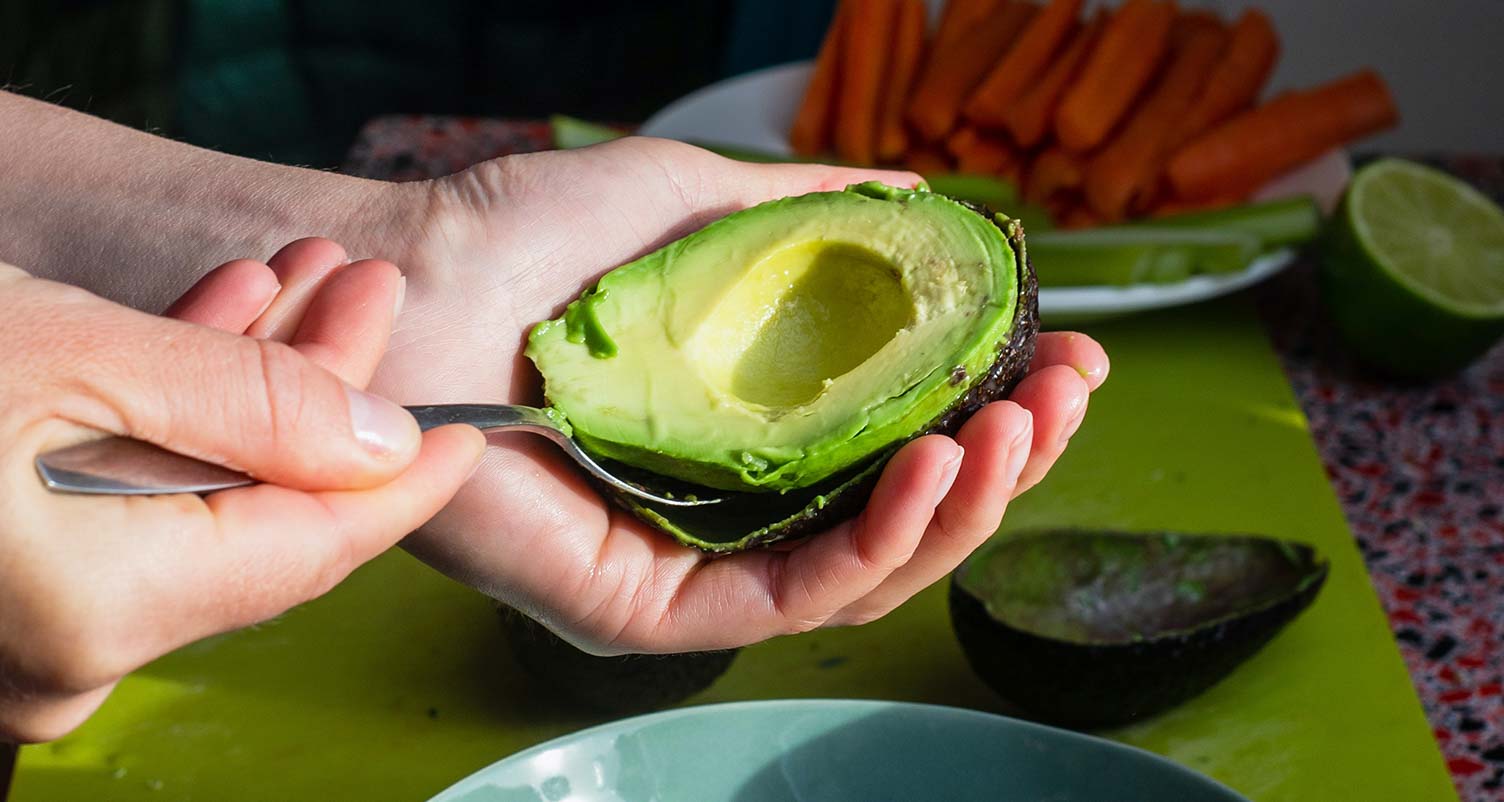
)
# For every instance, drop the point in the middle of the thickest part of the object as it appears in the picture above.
(397, 684)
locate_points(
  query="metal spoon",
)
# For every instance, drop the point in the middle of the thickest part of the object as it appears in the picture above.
(120, 466)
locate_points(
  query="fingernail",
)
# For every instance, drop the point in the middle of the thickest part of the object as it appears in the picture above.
(1018, 450)
(381, 426)
(268, 303)
(948, 475)
(1097, 374)
(401, 297)
(1075, 423)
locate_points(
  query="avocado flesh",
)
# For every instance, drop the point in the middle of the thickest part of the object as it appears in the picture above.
(785, 344)
(1097, 629)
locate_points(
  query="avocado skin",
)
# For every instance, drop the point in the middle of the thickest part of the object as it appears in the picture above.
(1013, 356)
(619, 685)
(1095, 686)
(844, 496)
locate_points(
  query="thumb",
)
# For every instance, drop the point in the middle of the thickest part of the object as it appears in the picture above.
(254, 405)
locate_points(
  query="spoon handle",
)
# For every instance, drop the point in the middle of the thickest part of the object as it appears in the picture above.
(120, 466)
(486, 417)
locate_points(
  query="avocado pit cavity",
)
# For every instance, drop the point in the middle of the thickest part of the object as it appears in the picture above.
(801, 318)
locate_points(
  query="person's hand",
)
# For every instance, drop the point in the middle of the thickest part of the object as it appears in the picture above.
(508, 243)
(94, 586)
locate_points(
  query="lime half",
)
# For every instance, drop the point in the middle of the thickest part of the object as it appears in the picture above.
(1413, 269)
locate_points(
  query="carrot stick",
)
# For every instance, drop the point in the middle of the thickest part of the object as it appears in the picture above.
(961, 16)
(958, 18)
(810, 133)
(1078, 216)
(1054, 172)
(908, 47)
(869, 33)
(1029, 118)
(1123, 61)
(954, 72)
(1187, 27)
(981, 154)
(1236, 81)
(1025, 62)
(926, 160)
(1191, 19)
(1121, 176)
(1258, 145)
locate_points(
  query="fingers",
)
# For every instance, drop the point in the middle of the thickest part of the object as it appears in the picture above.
(1078, 351)
(301, 266)
(242, 556)
(229, 298)
(257, 406)
(277, 547)
(346, 325)
(756, 595)
(1057, 397)
(338, 315)
(997, 443)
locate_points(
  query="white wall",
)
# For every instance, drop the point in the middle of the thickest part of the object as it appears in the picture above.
(1443, 59)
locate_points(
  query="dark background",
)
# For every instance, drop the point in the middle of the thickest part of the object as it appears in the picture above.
(293, 80)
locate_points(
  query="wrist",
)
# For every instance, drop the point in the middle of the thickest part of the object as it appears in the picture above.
(395, 221)
(428, 227)
(138, 218)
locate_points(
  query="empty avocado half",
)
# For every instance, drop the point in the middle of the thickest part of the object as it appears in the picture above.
(623, 684)
(1097, 629)
(779, 356)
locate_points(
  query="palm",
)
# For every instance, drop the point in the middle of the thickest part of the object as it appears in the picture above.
(527, 234)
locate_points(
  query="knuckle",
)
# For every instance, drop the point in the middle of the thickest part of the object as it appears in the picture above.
(608, 621)
(801, 625)
(337, 558)
(864, 616)
(792, 601)
(277, 392)
(875, 555)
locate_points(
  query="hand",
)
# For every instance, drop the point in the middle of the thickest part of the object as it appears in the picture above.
(506, 244)
(94, 586)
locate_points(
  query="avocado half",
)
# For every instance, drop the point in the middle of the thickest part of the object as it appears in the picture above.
(622, 684)
(1097, 629)
(779, 356)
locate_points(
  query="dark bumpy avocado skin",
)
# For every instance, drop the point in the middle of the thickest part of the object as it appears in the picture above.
(1095, 686)
(626, 684)
(748, 520)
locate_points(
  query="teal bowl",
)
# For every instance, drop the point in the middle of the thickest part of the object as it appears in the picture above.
(831, 751)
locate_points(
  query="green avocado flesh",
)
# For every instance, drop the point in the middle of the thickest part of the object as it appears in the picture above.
(1103, 628)
(787, 345)
(1095, 588)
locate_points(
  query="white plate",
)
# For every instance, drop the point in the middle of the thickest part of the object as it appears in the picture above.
(754, 111)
